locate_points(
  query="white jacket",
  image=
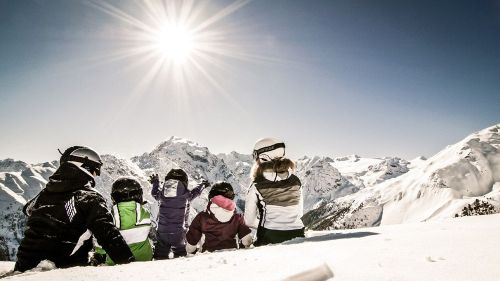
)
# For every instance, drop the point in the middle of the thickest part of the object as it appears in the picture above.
(276, 203)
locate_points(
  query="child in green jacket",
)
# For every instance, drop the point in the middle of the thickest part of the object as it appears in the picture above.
(131, 218)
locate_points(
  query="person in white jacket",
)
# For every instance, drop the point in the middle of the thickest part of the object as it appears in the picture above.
(274, 202)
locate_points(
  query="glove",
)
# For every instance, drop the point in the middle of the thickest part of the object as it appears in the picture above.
(205, 183)
(154, 179)
(97, 259)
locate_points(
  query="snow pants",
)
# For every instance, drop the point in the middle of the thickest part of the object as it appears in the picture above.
(170, 242)
(270, 236)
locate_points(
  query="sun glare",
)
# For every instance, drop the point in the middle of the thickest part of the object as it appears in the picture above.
(175, 42)
(182, 44)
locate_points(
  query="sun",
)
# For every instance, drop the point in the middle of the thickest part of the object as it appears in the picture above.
(179, 45)
(175, 42)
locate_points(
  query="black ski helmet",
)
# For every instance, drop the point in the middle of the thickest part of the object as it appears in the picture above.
(85, 158)
(221, 188)
(177, 174)
(126, 189)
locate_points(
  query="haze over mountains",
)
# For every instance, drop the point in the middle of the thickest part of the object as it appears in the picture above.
(343, 192)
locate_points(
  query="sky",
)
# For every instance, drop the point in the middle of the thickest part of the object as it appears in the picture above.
(330, 78)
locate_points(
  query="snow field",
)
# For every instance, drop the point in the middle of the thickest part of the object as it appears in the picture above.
(465, 248)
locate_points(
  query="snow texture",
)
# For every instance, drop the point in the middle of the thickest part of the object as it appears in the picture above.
(406, 252)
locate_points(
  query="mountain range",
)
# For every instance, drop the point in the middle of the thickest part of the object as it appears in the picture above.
(342, 192)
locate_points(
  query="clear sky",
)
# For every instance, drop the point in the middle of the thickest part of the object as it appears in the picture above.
(332, 78)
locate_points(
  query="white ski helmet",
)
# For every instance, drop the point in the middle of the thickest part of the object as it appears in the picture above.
(267, 149)
(86, 159)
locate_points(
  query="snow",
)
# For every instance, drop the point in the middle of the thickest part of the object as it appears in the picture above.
(433, 189)
(354, 164)
(350, 191)
(14, 195)
(456, 249)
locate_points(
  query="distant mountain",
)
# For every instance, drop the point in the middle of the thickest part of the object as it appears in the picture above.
(349, 191)
(437, 188)
(18, 183)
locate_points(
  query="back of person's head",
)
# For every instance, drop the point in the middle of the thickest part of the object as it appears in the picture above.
(269, 156)
(126, 189)
(177, 174)
(84, 158)
(221, 188)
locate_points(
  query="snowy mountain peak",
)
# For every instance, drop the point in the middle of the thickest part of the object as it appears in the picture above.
(353, 158)
(177, 141)
(11, 165)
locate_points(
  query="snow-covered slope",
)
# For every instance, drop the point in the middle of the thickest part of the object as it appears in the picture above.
(321, 181)
(19, 181)
(436, 188)
(406, 252)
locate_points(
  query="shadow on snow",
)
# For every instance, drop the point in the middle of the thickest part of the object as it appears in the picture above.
(331, 236)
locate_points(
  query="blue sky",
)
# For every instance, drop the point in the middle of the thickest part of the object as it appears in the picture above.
(332, 78)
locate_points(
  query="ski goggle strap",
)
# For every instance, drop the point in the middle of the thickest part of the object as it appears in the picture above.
(259, 151)
(88, 164)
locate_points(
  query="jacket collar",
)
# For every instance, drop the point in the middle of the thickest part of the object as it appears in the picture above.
(273, 176)
(69, 178)
(220, 214)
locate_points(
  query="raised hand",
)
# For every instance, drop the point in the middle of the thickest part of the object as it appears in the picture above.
(154, 179)
(205, 183)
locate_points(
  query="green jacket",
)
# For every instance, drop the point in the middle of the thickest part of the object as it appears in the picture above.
(134, 223)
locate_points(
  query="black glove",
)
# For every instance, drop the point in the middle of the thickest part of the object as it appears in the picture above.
(205, 183)
(154, 179)
(97, 259)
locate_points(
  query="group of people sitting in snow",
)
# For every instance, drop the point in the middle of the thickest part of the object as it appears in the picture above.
(68, 221)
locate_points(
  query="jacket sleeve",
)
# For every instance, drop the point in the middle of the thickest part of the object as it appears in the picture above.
(244, 233)
(194, 233)
(301, 203)
(195, 192)
(251, 211)
(29, 205)
(100, 222)
(155, 191)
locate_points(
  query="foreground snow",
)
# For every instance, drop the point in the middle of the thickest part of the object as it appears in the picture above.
(455, 249)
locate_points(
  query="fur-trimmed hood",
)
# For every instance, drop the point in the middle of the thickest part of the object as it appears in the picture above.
(274, 170)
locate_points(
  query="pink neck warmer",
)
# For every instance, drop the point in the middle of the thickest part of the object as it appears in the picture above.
(224, 202)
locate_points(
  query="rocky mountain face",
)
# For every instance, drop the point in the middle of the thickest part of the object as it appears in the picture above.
(437, 188)
(19, 182)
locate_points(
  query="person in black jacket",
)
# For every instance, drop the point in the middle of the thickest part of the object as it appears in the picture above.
(62, 218)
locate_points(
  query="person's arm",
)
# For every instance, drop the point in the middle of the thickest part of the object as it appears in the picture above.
(244, 233)
(301, 203)
(195, 192)
(100, 222)
(29, 205)
(251, 210)
(155, 181)
(193, 235)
